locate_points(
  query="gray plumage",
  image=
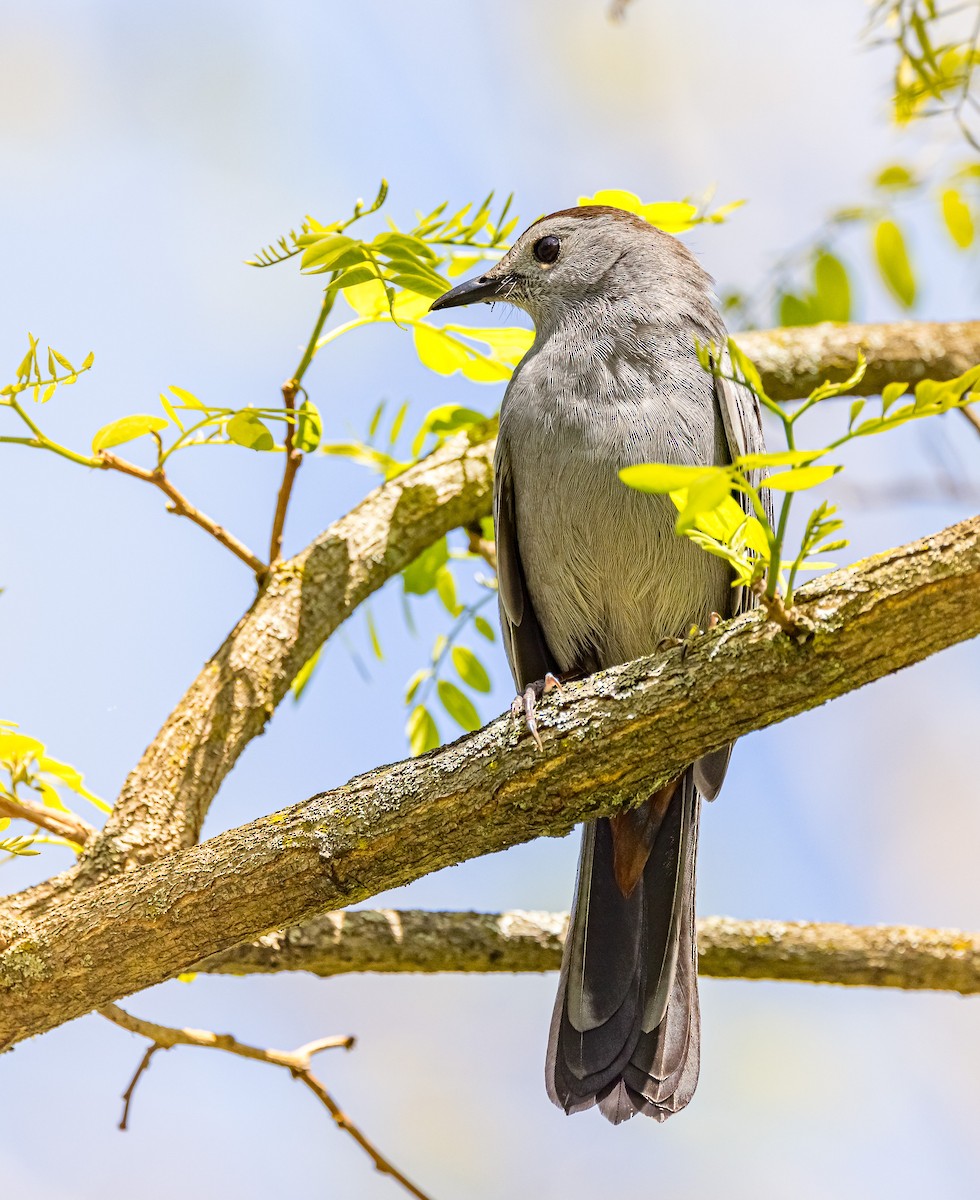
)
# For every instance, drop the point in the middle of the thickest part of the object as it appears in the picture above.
(591, 574)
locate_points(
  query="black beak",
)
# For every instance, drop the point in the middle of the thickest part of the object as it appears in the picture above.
(473, 291)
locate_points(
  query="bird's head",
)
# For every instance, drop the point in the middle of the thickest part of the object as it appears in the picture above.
(588, 256)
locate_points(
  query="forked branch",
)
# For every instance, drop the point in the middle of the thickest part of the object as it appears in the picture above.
(298, 1062)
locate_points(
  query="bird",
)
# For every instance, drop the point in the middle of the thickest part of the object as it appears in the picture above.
(591, 574)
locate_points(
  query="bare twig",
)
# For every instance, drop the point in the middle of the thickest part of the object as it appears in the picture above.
(297, 1062)
(294, 458)
(972, 417)
(62, 824)
(180, 505)
(127, 1096)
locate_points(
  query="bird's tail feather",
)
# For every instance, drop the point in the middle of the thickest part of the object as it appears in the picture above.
(626, 1031)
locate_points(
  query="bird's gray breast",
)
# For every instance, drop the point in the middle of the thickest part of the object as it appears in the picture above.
(606, 575)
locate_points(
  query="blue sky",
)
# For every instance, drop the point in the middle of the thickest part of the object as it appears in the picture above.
(150, 150)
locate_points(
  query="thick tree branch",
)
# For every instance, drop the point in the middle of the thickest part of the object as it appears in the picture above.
(164, 800)
(390, 941)
(609, 741)
(795, 360)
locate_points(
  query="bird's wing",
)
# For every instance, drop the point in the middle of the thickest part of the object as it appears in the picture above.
(527, 651)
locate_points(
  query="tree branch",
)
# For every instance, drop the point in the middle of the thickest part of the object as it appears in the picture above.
(609, 741)
(793, 361)
(62, 824)
(164, 800)
(182, 507)
(388, 941)
(294, 458)
(297, 1062)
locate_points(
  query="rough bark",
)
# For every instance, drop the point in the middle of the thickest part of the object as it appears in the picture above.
(390, 941)
(608, 740)
(166, 797)
(794, 361)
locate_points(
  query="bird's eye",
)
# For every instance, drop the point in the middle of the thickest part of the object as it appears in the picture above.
(546, 248)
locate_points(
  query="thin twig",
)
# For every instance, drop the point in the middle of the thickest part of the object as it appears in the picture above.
(297, 1062)
(972, 417)
(180, 505)
(127, 1096)
(294, 458)
(62, 824)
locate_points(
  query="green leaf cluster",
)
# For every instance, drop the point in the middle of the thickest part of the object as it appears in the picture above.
(672, 216)
(742, 534)
(937, 52)
(26, 767)
(814, 282)
(430, 682)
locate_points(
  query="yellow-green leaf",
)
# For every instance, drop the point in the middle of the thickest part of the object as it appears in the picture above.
(893, 262)
(507, 343)
(245, 429)
(778, 458)
(445, 354)
(305, 674)
(958, 218)
(186, 398)
(324, 253)
(308, 427)
(446, 591)
(891, 392)
(704, 495)
(483, 626)
(661, 478)
(419, 577)
(833, 288)
(127, 429)
(415, 683)
(470, 669)
(895, 177)
(672, 216)
(458, 705)
(800, 478)
(422, 731)
(18, 747)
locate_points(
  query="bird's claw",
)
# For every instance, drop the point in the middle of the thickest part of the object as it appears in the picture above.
(670, 643)
(526, 703)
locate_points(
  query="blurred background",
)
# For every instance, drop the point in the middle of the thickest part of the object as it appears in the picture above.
(148, 150)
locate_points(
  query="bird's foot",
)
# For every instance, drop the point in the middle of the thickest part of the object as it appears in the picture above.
(526, 703)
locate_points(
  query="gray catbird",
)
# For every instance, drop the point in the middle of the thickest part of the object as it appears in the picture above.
(592, 574)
